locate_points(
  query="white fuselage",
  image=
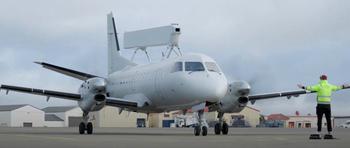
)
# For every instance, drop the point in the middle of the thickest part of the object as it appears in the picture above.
(172, 84)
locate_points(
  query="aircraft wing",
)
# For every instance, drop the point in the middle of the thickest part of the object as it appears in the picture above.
(287, 94)
(66, 71)
(120, 102)
(64, 95)
(42, 92)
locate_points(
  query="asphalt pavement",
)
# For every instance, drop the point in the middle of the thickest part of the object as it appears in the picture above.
(167, 137)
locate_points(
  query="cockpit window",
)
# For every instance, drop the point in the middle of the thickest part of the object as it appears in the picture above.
(177, 67)
(194, 66)
(211, 66)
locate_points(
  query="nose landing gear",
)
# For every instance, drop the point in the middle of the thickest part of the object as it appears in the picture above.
(221, 127)
(85, 125)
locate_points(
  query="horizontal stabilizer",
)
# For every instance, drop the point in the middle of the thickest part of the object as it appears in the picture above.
(66, 71)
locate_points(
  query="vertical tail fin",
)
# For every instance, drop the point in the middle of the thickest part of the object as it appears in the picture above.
(115, 61)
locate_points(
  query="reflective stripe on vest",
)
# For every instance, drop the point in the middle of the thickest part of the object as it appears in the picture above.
(324, 99)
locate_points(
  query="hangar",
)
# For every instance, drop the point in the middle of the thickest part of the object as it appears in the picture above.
(51, 120)
(71, 116)
(159, 120)
(248, 117)
(23, 115)
(110, 117)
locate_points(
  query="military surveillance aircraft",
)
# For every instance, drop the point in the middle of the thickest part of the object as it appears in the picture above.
(189, 81)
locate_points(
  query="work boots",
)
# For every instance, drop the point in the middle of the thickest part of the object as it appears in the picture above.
(315, 136)
(328, 136)
(318, 136)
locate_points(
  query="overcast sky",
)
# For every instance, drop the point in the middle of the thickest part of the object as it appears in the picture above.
(271, 43)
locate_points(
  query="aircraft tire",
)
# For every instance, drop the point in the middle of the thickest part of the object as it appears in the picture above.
(217, 129)
(224, 129)
(197, 130)
(82, 128)
(89, 128)
(204, 131)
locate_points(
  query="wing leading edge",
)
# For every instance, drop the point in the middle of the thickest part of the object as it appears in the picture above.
(287, 94)
(42, 92)
(116, 102)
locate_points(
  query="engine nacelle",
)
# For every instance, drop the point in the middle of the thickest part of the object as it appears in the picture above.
(236, 97)
(240, 88)
(93, 92)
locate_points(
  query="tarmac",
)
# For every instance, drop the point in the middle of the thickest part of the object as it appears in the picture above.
(166, 137)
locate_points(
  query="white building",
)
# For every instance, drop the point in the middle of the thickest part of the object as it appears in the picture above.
(21, 116)
(307, 121)
(109, 117)
(71, 116)
(51, 120)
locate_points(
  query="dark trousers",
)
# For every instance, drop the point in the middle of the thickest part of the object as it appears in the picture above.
(326, 110)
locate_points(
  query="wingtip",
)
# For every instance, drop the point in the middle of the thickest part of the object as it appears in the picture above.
(36, 62)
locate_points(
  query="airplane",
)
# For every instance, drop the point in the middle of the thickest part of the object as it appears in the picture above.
(190, 81)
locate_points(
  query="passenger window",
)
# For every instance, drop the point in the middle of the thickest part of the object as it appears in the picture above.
(211, 66)
(194, 66)
(177, 67)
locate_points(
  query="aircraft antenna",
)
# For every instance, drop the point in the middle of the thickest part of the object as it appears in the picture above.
(141, 40)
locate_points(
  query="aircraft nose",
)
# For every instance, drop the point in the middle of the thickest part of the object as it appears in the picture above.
(221, 89)
(215, 88)
(203, 86)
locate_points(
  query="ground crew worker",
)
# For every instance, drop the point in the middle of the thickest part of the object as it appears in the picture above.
(324, 91)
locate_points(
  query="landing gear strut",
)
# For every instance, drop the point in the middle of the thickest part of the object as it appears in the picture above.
(221, 127)
(85, 125)
(202, 126)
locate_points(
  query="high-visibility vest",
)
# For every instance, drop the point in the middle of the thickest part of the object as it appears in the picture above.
(324, 91)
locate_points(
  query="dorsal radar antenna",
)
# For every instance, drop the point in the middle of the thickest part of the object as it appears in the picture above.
(167, 36)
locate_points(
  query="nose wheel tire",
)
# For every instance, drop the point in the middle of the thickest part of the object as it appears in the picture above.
(217, 129)
(204, 131)
(197, 130)
(224, 128)
(89, 128)
(82, 128)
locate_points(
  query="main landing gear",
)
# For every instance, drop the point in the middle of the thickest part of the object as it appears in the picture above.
(202, 126)
(221, 127)
(85, 125)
